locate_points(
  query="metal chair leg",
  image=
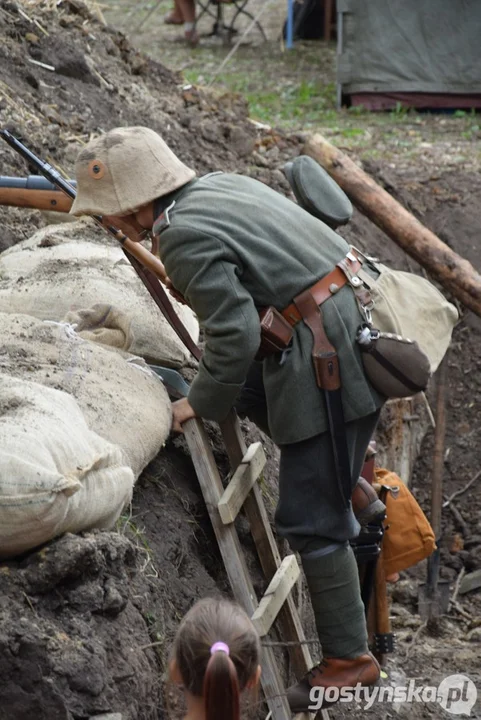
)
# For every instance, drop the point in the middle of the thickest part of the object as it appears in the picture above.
(219, 24)
(240, 10)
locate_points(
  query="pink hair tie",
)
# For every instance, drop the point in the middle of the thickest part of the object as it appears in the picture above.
(219, 647)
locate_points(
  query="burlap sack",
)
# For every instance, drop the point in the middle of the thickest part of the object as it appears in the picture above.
(56, 475)
(409, 305)
(64, 270)
(121, 399)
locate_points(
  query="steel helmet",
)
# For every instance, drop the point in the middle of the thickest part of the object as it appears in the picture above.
(124, 169)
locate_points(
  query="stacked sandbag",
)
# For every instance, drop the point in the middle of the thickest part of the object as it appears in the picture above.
(120, 398)
(68, 272)
(56, 474)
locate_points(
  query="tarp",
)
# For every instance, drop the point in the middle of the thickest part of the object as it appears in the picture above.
(409, 46)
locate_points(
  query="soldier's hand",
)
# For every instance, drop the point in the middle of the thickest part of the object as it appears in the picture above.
(181, 412)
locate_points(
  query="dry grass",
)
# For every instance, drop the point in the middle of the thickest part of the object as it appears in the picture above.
(93, 7)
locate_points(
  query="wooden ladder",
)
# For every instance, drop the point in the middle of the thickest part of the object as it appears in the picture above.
(224, 506)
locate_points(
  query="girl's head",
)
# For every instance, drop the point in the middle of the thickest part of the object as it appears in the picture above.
(216, 655)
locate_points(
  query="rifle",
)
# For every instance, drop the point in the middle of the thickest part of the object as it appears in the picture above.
(34, 192)
(147, 266)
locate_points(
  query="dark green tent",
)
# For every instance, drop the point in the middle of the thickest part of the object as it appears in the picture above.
(420, 53)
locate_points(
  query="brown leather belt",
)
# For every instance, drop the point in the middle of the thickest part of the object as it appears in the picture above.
(327, 286)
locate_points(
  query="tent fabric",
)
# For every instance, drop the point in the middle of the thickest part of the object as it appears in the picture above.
(410, 46)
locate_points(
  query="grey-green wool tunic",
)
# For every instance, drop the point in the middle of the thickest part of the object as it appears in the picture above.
(235, 245)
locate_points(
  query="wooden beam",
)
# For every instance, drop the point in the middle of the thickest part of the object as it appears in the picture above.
(276, 594)
(233, 557)
(242, 483)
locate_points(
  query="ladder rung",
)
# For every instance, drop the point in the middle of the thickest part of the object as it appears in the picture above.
(276, 594)
(241, 483)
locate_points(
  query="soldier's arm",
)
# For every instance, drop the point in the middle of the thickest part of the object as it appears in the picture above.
(208, 275)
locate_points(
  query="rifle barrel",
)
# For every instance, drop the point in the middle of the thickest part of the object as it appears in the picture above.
(47, 170)
(32, 182)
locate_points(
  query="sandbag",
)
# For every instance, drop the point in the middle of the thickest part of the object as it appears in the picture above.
(121, 399)
(56, 475)
(64, 270)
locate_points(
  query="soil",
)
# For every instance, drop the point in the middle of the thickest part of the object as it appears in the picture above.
(76, 616)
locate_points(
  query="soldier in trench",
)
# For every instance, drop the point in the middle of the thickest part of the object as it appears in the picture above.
(230, 246)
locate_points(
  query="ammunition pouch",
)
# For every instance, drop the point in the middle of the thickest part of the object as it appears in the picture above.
(276, 333)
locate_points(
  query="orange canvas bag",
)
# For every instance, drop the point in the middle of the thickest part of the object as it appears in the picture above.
(408, 537)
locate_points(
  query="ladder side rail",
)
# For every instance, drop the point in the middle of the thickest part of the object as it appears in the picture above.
(233, 557)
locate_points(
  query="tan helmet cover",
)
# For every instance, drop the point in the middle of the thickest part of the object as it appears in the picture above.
(125, 169)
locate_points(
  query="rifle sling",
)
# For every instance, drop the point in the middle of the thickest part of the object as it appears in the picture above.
(162, 301)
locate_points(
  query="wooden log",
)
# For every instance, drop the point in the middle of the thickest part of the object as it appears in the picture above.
(452, 271)
(242, 483)
(276, 594)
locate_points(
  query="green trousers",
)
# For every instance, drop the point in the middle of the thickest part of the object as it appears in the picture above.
(312, 517)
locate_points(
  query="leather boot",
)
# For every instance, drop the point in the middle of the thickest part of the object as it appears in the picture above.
(365, 503)
(333, 672)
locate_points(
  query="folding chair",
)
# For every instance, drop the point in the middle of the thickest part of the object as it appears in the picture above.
(215, 8)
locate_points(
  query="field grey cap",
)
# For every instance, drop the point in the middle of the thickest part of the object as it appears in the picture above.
(125, 169)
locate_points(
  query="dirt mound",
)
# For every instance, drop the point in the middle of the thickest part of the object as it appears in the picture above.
(80, 654)
(98, 81)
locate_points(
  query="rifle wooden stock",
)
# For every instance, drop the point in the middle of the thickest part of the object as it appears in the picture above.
(60, 202)
(35, 199)
(145, 258)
